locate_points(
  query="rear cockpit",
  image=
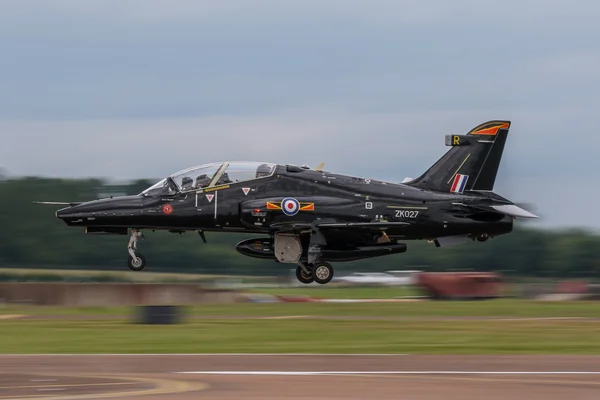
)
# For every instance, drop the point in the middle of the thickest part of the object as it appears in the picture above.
(209, 175)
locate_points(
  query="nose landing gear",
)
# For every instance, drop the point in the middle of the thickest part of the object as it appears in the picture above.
(136, 261)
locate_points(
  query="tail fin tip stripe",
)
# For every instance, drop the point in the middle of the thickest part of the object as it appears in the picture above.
(491, 130)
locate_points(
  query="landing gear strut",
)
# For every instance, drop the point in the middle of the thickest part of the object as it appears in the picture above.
(136, 261)
(304, 274)
(315, 270)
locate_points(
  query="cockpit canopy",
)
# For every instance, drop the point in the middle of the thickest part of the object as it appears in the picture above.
(208, 175)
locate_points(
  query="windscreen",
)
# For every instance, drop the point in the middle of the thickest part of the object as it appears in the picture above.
(196, 178)
(162, 188)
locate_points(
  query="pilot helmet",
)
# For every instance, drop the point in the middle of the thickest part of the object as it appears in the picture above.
(263, 170)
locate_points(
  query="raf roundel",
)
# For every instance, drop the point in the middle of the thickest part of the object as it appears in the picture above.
(290, 206)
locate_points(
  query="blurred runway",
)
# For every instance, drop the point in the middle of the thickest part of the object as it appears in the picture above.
(308, 317)
(295, 376)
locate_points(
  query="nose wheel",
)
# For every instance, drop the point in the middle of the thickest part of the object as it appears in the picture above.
(136, 261)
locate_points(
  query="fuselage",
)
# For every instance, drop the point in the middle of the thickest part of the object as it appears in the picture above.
(311, 217)
(255, 205)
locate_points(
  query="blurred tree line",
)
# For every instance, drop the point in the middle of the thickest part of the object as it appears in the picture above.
(32, 237)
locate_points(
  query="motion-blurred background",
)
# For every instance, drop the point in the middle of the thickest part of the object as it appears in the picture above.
(102, 98)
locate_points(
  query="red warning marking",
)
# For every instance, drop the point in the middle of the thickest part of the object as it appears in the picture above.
(167, 209)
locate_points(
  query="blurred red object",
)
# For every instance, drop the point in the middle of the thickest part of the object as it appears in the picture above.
(460, 285)
(572, 287)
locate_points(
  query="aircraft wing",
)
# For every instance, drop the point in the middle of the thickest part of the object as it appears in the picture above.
(364, 225)
(377, 225)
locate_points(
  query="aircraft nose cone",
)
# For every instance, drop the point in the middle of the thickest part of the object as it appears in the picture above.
(69, 214)
(62, 213)
(99, 209)
(68, 211)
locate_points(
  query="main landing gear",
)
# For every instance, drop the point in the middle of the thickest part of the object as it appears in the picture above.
(315, 270)
(320, 272)
(136, 261)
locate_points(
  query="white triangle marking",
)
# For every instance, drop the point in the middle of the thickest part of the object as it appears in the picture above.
(210, 197)
(246, 190)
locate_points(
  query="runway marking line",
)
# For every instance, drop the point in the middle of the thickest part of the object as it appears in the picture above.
(305, 373)
(209, 355)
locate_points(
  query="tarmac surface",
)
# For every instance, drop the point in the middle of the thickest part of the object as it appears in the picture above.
(298, 376)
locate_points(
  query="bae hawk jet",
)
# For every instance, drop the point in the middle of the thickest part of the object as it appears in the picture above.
(312, 217)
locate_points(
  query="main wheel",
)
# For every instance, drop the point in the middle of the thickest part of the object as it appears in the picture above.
(136, 265)
(323, 272)
(303, 276)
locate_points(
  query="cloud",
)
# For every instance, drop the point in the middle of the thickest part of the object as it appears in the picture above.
(134, 88)
(141, 11)
(101, 59)
(387, 144)
(546, 14)
(569, 64)
(156, 147)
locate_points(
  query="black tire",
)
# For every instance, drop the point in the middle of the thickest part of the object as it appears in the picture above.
(136, 266)
(303, 277)
(322, 272)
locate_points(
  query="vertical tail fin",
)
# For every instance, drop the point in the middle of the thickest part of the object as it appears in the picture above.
(472, 162)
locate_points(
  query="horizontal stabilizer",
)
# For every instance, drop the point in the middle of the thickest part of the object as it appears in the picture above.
(511, 210)
(514, 211)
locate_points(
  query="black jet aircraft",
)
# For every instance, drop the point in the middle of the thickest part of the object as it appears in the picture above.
(311, 218)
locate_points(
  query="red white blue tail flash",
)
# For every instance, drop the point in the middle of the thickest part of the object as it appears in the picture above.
(460, 181)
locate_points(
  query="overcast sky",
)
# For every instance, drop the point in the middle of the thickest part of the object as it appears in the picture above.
(142, 88)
